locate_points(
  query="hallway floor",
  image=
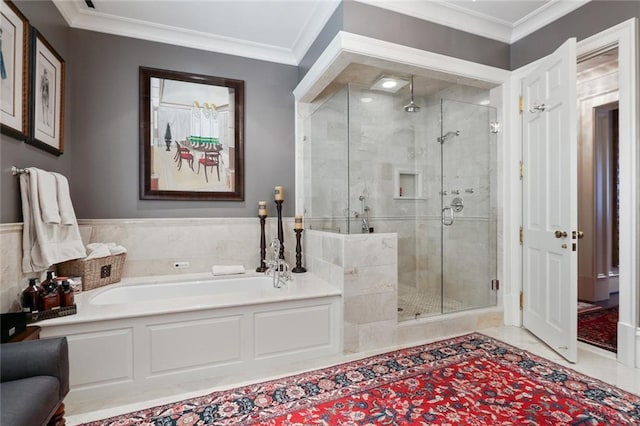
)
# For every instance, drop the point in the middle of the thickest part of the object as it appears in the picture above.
(591, 361)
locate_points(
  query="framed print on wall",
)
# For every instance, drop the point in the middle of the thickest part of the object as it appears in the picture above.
(47, 96)
(14, 47)
(191, 136)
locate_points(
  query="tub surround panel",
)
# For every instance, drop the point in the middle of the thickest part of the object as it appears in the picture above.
(293, 323)
(103, 357)
(140, 345)
(189, 345)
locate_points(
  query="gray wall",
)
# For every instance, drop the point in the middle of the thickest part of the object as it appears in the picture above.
(105, 127)
(44, 16)
(371, 21)
(101, 125)
(582, 23)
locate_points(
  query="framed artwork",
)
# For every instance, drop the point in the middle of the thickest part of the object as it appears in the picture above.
(191, 136)
(14, 45)
(47, 77)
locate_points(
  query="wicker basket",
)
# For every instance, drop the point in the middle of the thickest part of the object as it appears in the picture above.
(96, 272)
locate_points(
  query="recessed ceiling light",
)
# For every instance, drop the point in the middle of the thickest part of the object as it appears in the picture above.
(389, 83)
(366, 100)
(485, 102)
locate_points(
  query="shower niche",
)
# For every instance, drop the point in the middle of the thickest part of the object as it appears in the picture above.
(408, 185)
(368, 159)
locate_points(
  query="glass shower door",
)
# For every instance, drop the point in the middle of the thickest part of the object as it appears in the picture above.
(468, 205)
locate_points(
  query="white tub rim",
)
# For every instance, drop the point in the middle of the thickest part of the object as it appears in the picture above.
(302, 286)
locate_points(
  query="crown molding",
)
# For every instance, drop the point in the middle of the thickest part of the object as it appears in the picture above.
(88, 20)
(543, 16)
(454, 16)
(450, 15)
(321, 14)
(437, 11)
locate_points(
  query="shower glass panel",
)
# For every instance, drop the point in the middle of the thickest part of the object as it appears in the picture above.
(326, 166)
(468, 205)
(427, 175)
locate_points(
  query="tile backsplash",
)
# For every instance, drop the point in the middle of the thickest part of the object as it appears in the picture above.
(153, 245)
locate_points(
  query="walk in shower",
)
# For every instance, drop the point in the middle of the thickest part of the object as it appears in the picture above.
(422, 165)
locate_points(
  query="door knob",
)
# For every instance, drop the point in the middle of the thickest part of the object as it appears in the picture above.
(538, 108)
(561, 234)
(580, 235)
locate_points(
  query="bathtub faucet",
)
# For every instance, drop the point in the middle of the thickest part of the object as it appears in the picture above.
(277, 267)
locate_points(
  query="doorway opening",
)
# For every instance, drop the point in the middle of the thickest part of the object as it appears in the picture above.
(598, 198)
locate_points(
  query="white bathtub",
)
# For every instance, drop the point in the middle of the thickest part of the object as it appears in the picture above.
(138, 334)
(228, 290)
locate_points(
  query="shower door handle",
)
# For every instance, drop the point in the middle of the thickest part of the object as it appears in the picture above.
(448, 222)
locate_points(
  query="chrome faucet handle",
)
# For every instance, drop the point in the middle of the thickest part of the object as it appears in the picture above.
(275, 246)
(286, 271)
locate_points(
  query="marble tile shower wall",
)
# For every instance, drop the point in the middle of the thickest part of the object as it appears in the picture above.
(153, 245)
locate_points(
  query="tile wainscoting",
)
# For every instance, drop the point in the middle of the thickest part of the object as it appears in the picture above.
(153, 246)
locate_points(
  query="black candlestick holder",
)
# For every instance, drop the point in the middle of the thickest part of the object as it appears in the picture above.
(280, 230)
(263, 245)
(298, 268)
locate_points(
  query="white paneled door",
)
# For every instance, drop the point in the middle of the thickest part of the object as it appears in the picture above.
(550, 201)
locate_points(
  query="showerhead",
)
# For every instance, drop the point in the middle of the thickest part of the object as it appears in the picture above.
(448, 135)
(411, 106)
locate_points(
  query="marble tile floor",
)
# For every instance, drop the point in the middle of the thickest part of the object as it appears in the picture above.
(414, 303)
(591, 361)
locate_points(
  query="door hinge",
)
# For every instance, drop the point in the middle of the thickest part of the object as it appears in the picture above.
(521, 104)
(521, 235)
(521, 301)
(521, 169)
(495, 284)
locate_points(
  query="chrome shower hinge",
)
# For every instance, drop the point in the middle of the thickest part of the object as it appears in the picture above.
(494, 127)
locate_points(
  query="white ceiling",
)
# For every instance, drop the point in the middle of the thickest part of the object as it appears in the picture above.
(282, 30)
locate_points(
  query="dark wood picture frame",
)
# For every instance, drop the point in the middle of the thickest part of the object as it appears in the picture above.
(15, 71)
(174, 172)
(47, 85)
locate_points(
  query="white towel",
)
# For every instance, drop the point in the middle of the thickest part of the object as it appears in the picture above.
(47, 196)
(67, 214)
(96, 250)
(116, 249)
(44, 244)
(228, 269)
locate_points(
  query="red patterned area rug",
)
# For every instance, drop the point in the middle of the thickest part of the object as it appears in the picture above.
(599, 328)
(470, 380)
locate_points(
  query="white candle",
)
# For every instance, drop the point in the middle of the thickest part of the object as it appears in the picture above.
(279, 193)
(262, 208)
(297, 224)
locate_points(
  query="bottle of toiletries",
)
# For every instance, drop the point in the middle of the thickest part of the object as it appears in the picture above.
(66, 294)
(50, 299)
(30, 299)
(49, 282)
